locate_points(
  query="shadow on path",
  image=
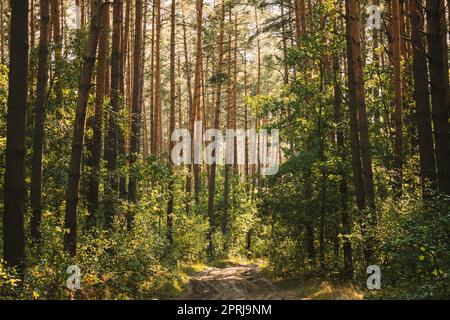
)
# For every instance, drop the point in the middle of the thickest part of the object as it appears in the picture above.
(245, 282)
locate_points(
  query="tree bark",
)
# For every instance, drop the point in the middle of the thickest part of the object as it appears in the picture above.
(172, 120)
(152, 82)
(398, 97)
(438, 64)
(123, 67)
(343, 185)
(187, 63)
(353, 113)
(422, 98)
(136, 110)
(196, 102)
(70, 219)
(57, 39)
(39, 123)
(365, 197)
(95, 145)
(157, 78)
(226, 189)
(212, 178)
(142, 87)
(112, 144)
(2, 38)
(14, 186)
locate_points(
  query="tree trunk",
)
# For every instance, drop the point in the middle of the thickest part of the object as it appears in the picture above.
(70, 219)
(360, 99)
(398, 98)
(235, 94)
(212, 179)
(141, 85)
(172, 119)
(357, 97)
(354, 131)
(39, 122)
(309, 223)
(32, 44)
(258, 91)
(95, 145)
(152, 82)
(14, 186)
(438, 64)
(246, 116)
(180, 95)
(422, 98)
(187, 63)
(113, 127)
(123, 67)
(157, 78)
(196, 102)
(57, 39)
(2, 37)
(136, 110)
(343, 186)
(226, 189)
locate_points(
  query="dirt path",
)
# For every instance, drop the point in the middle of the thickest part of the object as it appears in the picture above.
(245, 282)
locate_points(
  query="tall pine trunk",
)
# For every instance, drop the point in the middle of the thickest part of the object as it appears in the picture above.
(362, 167)
(187, 64)
(14, 187)
(39, 123)
(157, 114)
(136, 110)
(226, 189)
(212, 178)
(343, 184)
(57, 39)
(112, 141)
(422, 98)
(123, 67)
(95, 145)
(172, 120)
(438, 64)
(73, 183)
(196, 102)
(398, 98)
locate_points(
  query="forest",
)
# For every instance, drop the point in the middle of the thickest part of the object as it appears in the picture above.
(325, 123)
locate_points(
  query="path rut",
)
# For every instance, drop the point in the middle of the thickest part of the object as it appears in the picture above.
(245, 282)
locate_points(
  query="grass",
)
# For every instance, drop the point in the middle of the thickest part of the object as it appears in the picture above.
(311, 288)
(316, 289)
(192, 269)
(236, 261)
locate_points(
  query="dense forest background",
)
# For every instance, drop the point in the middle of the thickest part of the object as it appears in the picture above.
(90, 92)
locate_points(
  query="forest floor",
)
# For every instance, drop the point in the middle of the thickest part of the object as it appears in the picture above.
(247, 282)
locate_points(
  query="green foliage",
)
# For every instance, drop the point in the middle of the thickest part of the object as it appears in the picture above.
(9, 281)
(190, 243)
(413, 236)
(281, 218)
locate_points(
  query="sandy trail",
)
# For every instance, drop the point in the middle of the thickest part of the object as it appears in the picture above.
(242, 282)
(245, 282)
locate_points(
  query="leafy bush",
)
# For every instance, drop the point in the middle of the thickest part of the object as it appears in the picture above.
(413, 236)
(9, 281)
